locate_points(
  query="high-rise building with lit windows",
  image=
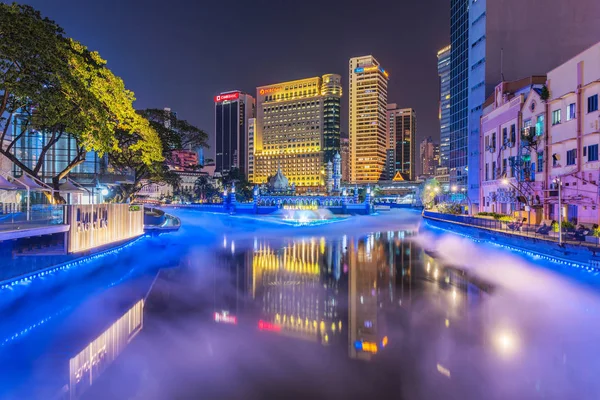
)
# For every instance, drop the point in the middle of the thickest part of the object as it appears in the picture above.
(297, 129)
(401, 133)
(367, 123)
(232, 111)
(444, 114)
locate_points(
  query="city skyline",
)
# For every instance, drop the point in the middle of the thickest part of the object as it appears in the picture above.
(184, 64)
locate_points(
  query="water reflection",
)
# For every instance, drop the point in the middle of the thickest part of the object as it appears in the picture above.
(87, 366)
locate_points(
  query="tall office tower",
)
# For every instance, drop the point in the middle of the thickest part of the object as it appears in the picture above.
(402, 129)
(444, 114)
(250, 158)
(429, 157)
(232, 111)
(367, 122)
(494, 41)
(297, 129)
(345, 154)
(459, 93)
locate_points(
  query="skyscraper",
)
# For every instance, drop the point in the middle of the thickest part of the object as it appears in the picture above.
(367, 120)
(345, 154)
(402, 129)
(459, 93)
(429, 157)
(298, 129)
(232, 111)
(494, 41)
(250, 158)
(444, 114)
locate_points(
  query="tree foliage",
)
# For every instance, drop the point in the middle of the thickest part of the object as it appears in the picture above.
(173, 134)
(57, 86)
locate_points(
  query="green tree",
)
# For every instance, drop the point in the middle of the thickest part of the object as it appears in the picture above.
(429, 190)
(243, 188)
(204, 189)
(55, 85)
(173, 134)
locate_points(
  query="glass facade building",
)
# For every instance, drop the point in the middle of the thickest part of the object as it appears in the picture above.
(459, 91)
(444, 113)
(232, 111)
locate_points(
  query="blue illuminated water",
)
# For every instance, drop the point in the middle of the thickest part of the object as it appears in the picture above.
(460, 319)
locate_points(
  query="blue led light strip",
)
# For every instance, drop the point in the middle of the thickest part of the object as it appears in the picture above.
(584, 266)
(7, 284)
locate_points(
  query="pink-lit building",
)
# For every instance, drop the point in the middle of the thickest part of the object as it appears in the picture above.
(533, 140)
(511, 175)
(184, 159)
(573, 137)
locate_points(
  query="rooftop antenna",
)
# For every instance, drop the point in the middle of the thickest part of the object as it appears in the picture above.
(502, 64)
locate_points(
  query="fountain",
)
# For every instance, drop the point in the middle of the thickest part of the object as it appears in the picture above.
(301, 215)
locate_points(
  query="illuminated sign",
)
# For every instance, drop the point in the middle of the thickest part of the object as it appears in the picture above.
(227, 97)
(270, 90)
(368, 347)
(372, 68)
(225, 318)
(268, 326)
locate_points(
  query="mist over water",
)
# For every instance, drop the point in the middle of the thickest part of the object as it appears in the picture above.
(368, 307)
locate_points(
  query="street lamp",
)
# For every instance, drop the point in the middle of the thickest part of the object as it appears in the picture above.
(558, 182)
(454, 188)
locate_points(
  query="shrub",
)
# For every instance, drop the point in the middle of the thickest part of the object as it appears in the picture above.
(596, 232)
(568, 225)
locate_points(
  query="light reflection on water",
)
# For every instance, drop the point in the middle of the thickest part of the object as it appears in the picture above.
(343, 316)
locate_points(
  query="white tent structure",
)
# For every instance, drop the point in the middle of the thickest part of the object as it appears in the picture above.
(29, 183)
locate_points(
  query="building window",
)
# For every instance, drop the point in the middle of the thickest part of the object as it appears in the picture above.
(540, 161)
(592, 152)
(571, 157)
(512, 166)
(556, 117)
(504, 136)
(513, 133)
(539, 125)
(593, 103)
(494, 170)
(504, 163)
(487, 171)
(571, 111)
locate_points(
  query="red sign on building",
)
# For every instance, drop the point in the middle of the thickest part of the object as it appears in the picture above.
(227, 97)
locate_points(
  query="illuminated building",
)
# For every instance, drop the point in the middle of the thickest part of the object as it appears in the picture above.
(345, 154)
(250, 158)
(401, 134)
(429, 157)
(298, 285)
(495, 41)
(232, 111)
(184, 159)
(367, 123)
(444, 114)
(297, 128)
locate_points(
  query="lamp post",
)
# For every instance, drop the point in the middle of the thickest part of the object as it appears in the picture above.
(558, 181)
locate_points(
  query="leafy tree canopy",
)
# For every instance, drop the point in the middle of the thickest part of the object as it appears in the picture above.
(57, 85)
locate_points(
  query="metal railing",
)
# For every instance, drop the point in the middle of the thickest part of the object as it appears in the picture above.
(517, 228)
(14, 216)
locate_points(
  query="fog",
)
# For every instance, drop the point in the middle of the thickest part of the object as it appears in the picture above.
(514, 328)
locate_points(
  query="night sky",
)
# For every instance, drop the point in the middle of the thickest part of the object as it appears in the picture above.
(180, 54)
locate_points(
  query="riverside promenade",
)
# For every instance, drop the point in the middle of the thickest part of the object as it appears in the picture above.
(572, 252)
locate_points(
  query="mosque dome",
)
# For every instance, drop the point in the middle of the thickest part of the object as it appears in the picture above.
(278, 183)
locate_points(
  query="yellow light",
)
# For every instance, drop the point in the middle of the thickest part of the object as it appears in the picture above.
(384, 341)
(447, 322)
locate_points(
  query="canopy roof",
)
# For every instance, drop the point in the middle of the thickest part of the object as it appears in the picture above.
(69, 187)
(5, 184)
